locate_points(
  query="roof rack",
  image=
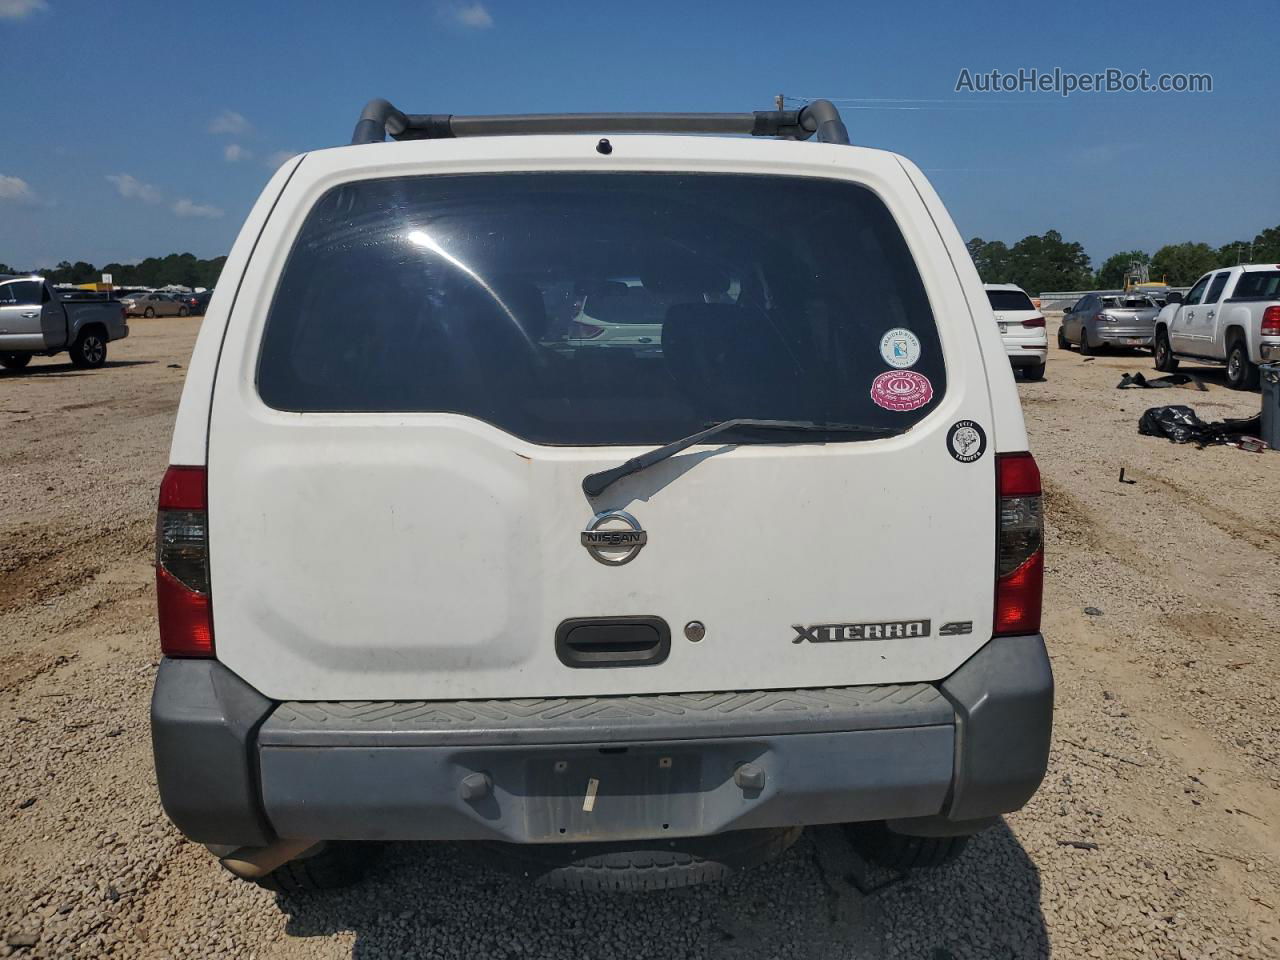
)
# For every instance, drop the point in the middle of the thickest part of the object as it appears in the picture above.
(379, 118)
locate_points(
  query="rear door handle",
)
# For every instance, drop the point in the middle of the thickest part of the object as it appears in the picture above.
(1209, 315)
(31, 316)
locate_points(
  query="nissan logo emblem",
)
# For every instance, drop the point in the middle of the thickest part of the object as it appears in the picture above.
(614, 537)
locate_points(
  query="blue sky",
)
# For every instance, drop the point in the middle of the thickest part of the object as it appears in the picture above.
(131, 128)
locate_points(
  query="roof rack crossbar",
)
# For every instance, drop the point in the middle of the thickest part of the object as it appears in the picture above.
(380, 119)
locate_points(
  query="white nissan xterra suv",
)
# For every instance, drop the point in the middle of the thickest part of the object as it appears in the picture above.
(626, 615)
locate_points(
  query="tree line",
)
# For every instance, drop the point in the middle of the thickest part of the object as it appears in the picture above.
(179, 269)
(1035, 263)
(1048, 262)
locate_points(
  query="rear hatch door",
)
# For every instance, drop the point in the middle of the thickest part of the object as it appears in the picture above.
(401, 426)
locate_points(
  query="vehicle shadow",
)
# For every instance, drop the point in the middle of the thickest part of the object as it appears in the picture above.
(432, 899)
(68, 369)
(1209, 376)
(1213, 376)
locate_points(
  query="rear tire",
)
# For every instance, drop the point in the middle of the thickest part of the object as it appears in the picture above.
(1166, 362)
(14, 361)
(1033, 373)
(90, 350)
(895, 851)
(640, 864)
(1085, 349)
(1063, 342)
(1241, 373)
(336, 864)
(183, 311)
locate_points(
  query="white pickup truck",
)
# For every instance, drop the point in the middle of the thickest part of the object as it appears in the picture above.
(1230, 316)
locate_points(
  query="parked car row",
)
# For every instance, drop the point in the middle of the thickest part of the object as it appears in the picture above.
(1230, 316)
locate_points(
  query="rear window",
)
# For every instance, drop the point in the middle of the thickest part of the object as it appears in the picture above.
(1258, 285)
(621, 301)
(1009, 300)
(603, 308)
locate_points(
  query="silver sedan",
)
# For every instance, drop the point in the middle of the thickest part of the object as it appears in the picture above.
(1098, 321)
(154, 305)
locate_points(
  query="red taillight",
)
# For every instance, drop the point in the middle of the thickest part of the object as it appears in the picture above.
(1271, 322)
(1019, 545)
(1034, 322)
(182, 564)
(583, 331)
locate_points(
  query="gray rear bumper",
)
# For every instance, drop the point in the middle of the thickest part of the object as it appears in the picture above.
(236, 768)
(1139, 336)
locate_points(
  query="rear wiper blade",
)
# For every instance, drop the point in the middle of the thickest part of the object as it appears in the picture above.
(594, 484)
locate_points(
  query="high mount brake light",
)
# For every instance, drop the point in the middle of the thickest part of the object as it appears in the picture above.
(1019, 545)
(182, 564)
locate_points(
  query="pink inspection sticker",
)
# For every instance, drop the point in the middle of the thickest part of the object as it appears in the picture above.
(901, 390)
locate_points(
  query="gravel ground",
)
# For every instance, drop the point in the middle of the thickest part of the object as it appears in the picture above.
(1156, 834)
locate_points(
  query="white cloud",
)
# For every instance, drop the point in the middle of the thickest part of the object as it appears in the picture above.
(134, 189)
(185, 208)
(16, 189)
(273, 160)
(472, 15)
(18, 9)
(228, 121)
(234, 153)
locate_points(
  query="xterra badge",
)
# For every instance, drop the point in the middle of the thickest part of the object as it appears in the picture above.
(841, 632)
(614, 537)
(966, 441)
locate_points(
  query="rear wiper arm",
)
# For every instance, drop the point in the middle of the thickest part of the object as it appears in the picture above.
(594, 484)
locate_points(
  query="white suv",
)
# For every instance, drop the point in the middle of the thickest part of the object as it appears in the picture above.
(1022, 328)
(625, 614)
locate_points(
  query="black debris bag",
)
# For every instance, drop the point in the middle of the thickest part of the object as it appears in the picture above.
(1130, 380)
(1180, 424)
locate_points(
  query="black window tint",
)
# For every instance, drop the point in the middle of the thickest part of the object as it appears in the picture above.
(1215, 288)
(589, 308)
(7, 294)
(1009, 300)
(1258, 285)
(26, 292)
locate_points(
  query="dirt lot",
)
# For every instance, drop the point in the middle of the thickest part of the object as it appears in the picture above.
(1156, 834)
